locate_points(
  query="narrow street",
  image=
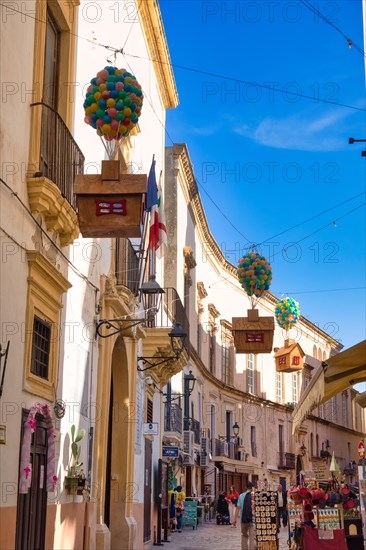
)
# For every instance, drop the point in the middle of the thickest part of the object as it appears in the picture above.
(212, 537)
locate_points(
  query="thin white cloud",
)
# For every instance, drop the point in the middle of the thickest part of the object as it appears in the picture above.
(298, 132)
(205, 130)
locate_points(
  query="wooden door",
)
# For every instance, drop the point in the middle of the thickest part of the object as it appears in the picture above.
(147, 490)
(32, 507)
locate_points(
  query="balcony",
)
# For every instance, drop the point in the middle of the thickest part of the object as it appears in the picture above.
(127, 266)
(286, 461)
(50, 189)
(60, 157)
(173, 418)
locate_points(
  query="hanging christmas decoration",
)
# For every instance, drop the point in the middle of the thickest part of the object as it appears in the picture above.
(113, 105)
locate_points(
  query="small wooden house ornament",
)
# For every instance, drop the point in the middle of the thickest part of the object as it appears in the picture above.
(110, 204)
(253, 334)
(290, 358)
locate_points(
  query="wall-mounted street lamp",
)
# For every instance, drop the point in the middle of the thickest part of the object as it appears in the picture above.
(189, 382)
(151, 294)
(236, 429)
(177, 339)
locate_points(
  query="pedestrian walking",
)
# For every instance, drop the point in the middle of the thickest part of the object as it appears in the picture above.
(281, 506)
(180, 497)
(232, 500)
(244, 510)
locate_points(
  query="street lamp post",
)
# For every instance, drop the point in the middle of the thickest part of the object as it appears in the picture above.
(189, 381)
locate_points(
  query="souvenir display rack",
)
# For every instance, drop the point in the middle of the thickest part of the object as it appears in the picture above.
(266, 519)
(317, 517)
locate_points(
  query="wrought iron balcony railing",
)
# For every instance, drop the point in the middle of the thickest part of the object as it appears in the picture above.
(60, 156)
(127, 265)
(173, 418)
(286, 461)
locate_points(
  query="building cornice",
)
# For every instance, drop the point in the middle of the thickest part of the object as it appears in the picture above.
(153, 27)
(180, 152)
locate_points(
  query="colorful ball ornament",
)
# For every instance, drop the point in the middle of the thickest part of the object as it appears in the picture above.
(254, 273)
(287, 313)
(112, 92)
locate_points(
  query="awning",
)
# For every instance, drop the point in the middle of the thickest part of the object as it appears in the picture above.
(335, 375)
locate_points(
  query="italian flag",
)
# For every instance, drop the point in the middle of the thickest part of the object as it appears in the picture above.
(158, 240)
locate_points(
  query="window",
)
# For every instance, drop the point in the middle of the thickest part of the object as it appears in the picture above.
(280, 438)
(213, 425)
(45, 288)
(212, 350)
(311, 444)
(317, 444)
(333, 403)
(253, 442)
(345, 409)
(149, 411)
(199, 335)
(250, 373)
(226, 337)
(279, 387)
(40, 348)
(321, 410)
(294, 387)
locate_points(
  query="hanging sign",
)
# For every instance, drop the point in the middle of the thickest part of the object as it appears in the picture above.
(151, 428)
(171, 452)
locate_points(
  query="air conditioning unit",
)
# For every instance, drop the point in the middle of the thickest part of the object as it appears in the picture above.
(188, 442)
(204, 452)
(224, 448)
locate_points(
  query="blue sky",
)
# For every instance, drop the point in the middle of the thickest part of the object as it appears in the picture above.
(271, 159)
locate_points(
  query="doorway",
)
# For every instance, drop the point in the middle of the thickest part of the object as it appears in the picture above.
(117, 488)
(32, 506)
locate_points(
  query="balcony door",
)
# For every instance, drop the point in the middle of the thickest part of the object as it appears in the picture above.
(51, 63)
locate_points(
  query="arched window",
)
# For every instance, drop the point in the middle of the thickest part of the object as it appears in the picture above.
(320, 354)
(315, 354)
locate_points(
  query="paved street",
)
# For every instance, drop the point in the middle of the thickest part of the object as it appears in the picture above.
(212, 537)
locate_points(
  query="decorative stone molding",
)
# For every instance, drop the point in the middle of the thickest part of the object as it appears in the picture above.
(202, 292)
(123, 303)
(213, 311)
(46, 285)
(45, 198)
(189, 260)
(157, 342)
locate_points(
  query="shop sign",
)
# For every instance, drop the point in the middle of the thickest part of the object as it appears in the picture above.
(151, 428)
(171, 452)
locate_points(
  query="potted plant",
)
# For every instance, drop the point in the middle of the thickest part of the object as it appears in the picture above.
(75, 480)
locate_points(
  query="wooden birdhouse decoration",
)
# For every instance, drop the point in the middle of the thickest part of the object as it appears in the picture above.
(253, 334)
(290, 358)
(110, 204)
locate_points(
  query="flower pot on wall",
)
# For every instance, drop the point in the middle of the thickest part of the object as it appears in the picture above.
(71, 484)
(253, 334)
(110, 204)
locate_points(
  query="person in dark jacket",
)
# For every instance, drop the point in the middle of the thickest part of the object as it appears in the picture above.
(282, 506)
(245, 510)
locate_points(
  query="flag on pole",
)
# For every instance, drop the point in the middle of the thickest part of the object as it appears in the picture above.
(157, 232)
